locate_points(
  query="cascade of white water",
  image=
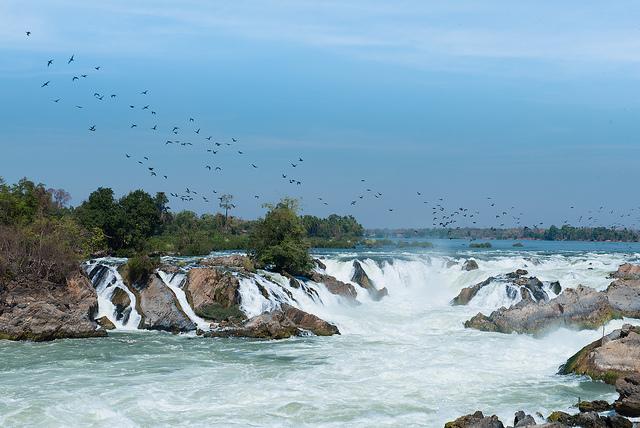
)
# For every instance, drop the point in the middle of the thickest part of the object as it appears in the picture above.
(175, 282)
(106, 281)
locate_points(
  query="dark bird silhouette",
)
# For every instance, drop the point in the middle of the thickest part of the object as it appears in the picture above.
(239, 152)
(208, 167)
(71, 59)
(56, 100)
(209, 138)
(113, 95)
(197, 131)
(28, 33)
(145, 158)
(78, 106)
(83, 75)
(130, 106)
(234, 140)
(92, 128)
(153, 173)
(144, 92)
(127, 155)
(190, 119)
(300, 160)
(97, 68)
(145, 107)
(253, 165)
(155, 127)
(74, 78)
(49, 62)
(218, 168)
(45, 83)
(133, 125)
(294, 165)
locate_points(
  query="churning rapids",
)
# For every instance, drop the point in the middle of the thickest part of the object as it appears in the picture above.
(406, 360)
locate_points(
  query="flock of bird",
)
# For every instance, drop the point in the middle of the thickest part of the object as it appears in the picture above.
(190, 133)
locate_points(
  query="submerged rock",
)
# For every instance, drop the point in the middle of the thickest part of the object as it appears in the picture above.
(361, 278)
(32, 309)
(235, 261)
(279, 324)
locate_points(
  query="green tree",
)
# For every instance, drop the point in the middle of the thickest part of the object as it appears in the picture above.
(278, 240)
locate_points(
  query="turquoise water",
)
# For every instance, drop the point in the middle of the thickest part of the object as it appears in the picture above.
(404, 361)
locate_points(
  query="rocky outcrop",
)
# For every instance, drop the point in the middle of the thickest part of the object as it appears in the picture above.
(476, 420)
(214, 294)
(279, 324)
(530, 288)
(582, 307)
(470, 265)
(32, 309)
(235, 261)
(361, 278)
(159, 308)
(589, 420)
(594, 406)
(609, 358)
(627, 271)
(628, 404)
(334, 286)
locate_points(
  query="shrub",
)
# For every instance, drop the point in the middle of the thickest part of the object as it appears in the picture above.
(140, 267)
(278, 241)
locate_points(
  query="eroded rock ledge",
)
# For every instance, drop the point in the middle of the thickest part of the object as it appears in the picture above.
(582, 307)
(37, 310)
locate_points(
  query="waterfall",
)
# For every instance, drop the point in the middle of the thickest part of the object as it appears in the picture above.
(175, 282)
(106, 279)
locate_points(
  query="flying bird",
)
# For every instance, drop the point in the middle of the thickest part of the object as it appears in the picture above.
(49, 62)
(92, 128)
(45, 83)
(71, 59)
(28, 33)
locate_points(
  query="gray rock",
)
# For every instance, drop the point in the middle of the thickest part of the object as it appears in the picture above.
(159, 308)
(628, 404)
(361, 278)
(476, 420)
(469, 265)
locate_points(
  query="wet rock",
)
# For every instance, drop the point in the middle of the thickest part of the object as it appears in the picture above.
(468, 293)
(523, 420)
(624, 296)
(627, 271)
(556, 287)
(105, 323)
(334, 286)
(320, 264)
(609, 359)
(279, 324)
(235, 261)
(476, 420)
(214, 294)
(513, 281)
(32, 309)
(122, 303)
(361, 278)
(470, 265)
(628, 404)
(160, 309)
(582, 307)
(594, 406)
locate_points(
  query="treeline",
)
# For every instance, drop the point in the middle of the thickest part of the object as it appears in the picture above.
(553, 233)
(138, 223)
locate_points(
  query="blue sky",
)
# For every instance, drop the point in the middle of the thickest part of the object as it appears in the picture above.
(535, 104)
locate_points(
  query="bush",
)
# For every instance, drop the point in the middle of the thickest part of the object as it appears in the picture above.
(278, 241)
(480, 245)
(139, 268)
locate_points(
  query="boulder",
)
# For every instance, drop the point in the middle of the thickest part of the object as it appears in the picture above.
(476, 420)
(610, 358)
(320, 264)
(589, 420)
(523, 420)
(624, 296)
(628, 404)
(361, 278)
(33, 309)
(279, 324)
(334, 286)
(534, 287)
(122, 303)
(470, 265)
(214, 294)
(582, 307)
(627, 271)
(105, 323)
(160, 309)
(594, 406)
